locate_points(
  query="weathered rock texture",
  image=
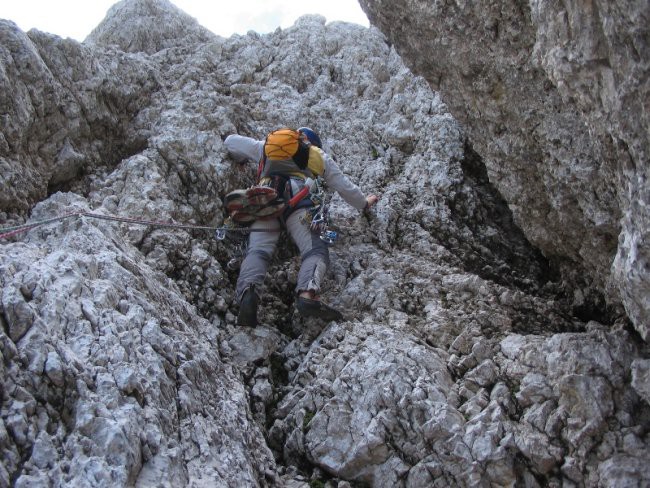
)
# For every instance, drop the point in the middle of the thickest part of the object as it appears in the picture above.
(462, 360)
(554, 97)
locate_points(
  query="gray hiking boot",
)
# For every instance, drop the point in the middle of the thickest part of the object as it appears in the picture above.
(315, 308)
(248, 308)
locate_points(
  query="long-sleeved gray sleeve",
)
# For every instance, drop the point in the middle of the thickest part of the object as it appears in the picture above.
(244, 148)
(335, 179)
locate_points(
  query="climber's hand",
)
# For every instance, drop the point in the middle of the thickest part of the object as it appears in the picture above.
(371, 200)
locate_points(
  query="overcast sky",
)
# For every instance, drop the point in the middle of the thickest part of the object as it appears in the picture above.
(76, 18)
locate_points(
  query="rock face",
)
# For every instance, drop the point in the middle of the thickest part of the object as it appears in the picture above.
(553, 96)
(153, 25)
(463, 359)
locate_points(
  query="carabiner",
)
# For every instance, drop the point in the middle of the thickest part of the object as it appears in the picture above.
(318, 223)
(329, 236)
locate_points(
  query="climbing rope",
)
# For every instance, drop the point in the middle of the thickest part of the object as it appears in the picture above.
(221, 233)
(7, 232)
(318, 219)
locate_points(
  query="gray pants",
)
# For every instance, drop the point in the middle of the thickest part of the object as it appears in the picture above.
(261, 246)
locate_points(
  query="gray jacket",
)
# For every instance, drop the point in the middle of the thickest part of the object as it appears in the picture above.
(244, 148)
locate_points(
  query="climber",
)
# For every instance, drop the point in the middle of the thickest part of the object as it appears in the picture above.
(285, 175)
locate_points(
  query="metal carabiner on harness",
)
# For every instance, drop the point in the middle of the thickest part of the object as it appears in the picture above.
(329, 236)
(318, 222)
(234, 264)
(235, 236)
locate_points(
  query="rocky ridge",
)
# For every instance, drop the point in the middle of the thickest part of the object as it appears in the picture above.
(462, 360)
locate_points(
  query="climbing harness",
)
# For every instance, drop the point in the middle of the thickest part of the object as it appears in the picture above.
(316, 217)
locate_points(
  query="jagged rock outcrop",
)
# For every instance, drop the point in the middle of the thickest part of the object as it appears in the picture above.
(461, 360)
(61, 119)
(553, 97)
(153, 25)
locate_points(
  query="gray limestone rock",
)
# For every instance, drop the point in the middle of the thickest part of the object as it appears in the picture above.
(552, 96)
(467, 356)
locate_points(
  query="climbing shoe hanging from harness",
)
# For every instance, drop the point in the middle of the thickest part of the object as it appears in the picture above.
(258, 202)
(263, 202)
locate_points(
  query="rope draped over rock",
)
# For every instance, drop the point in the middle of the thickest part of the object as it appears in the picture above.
(7, 232)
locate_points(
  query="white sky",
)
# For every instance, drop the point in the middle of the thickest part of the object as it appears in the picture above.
(76, 18)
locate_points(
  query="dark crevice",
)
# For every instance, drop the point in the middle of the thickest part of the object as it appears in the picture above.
(506, 256)
(509, 259)
(593, 305)
(4, 323)
(596, 309)
(67, 185)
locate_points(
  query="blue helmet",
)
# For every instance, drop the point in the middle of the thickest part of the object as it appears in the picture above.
(312, 136)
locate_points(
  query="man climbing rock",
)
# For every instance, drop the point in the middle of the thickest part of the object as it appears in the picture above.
(289, 161)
